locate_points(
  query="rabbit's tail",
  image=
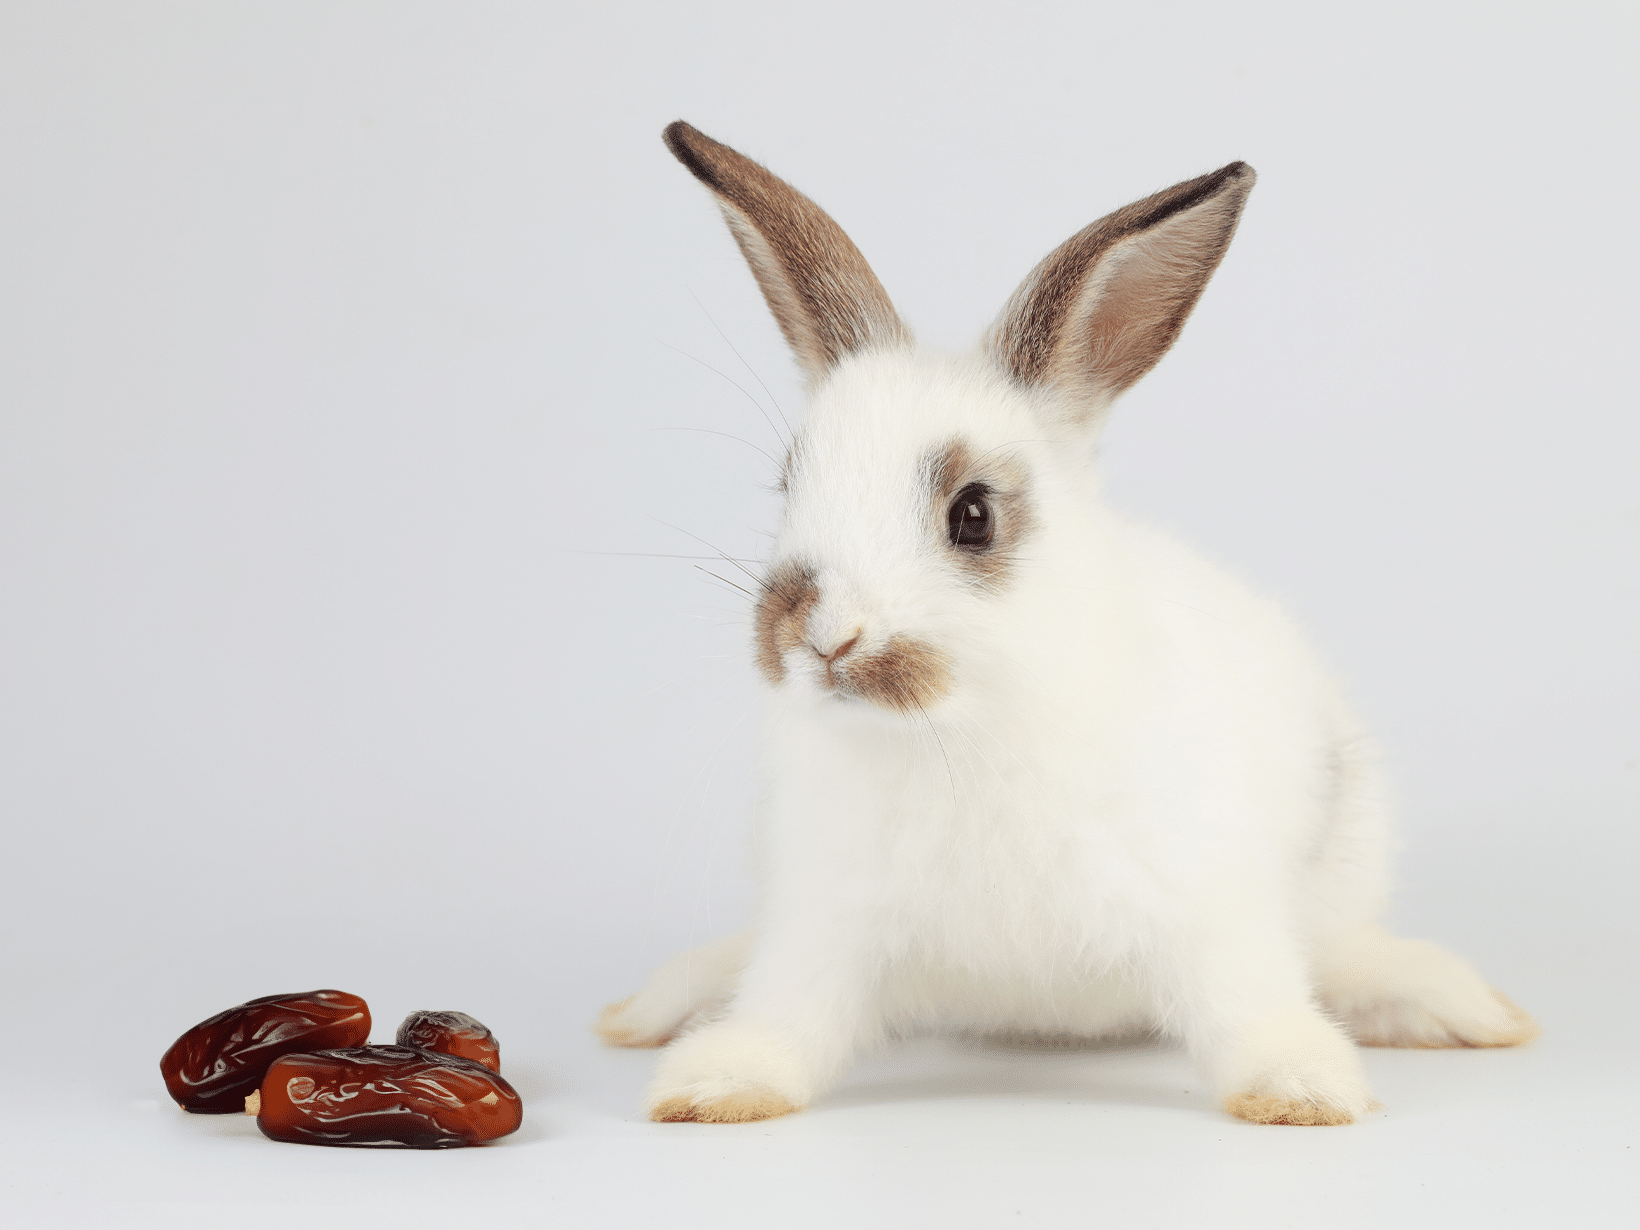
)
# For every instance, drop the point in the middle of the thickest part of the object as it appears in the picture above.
(1389, 991)
(699, 980)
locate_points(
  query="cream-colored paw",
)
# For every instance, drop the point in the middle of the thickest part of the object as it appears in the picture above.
(1390, 991)
(1490, 1020)
(728, 1072)
(1301, 1070)
(747, 1105)
(1523, 1027)
(615, 1025)
(1261, 1108)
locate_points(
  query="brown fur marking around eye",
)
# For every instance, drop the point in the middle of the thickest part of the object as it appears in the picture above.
(948, 468)
(953, 466)
(782, 616)
(906, 674)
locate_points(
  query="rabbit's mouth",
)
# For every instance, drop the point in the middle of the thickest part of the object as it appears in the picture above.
(905, 675)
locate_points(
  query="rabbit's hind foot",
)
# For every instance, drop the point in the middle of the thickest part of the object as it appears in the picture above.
(1389, 991)
(623, 1024)
(690, 985)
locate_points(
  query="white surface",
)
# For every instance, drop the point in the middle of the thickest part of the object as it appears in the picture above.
(333, 332)
(937, 1137)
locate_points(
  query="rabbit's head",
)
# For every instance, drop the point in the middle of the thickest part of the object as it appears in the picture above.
(922, 490)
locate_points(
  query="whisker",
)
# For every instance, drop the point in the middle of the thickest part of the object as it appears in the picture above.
(721, 555)
(727, 436)
(732, 381)
(743, 363)
(929, 722)
(730, 583)
(978, 725)
(656, 555)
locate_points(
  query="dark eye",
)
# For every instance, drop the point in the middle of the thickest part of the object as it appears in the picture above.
(968, 520)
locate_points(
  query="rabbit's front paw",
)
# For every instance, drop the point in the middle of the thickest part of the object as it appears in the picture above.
(727, 1074)
(1299, 1112)
(1309, 1101)
(746, 1104)
(1304, 1072)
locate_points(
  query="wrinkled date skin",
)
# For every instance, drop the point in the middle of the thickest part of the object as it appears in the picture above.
(212, 1067)
(385, 1097)
(451, 1033)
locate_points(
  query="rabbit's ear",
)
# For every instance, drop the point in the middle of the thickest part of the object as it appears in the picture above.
(823, 294)
(1104, 306)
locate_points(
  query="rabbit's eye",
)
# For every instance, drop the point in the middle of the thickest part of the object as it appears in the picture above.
(968, 520)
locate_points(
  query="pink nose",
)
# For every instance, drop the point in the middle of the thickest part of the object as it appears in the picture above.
(838, 652)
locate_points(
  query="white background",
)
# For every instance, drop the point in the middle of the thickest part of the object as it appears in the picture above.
(339, 341)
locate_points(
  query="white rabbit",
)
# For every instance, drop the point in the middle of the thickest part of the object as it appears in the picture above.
(1032, 767)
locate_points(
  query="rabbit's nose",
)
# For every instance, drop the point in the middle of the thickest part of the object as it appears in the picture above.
(837, 652)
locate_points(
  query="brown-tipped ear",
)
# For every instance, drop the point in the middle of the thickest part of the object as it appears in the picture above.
(1104, 306)
(823, 294)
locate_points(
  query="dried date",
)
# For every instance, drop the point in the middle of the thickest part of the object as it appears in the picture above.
(384, 1097)
(212, 1067)
(451, 1033)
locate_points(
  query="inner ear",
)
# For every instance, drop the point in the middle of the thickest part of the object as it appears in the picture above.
(823, 295)
(1102, 308)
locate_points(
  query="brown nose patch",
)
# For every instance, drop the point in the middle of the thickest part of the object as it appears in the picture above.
(904, 675)
(789, 593)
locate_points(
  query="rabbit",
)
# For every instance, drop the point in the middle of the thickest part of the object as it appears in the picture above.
(1033, 768)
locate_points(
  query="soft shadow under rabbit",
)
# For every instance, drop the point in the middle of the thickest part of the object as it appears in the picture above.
(1032, 768)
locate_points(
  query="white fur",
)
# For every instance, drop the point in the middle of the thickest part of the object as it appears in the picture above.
(1142, 805)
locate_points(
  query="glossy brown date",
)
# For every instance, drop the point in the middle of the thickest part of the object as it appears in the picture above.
(451, 1033)
(384, 1097)
(212, 1067)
